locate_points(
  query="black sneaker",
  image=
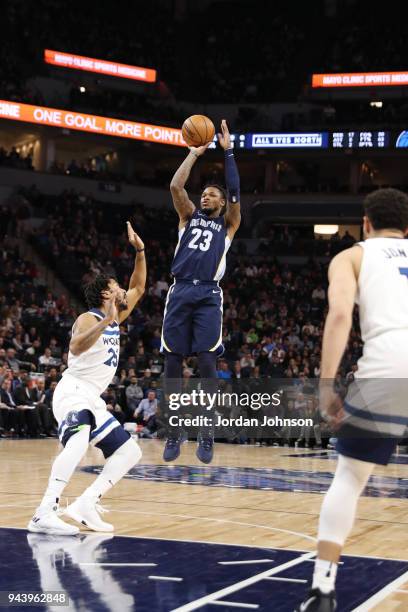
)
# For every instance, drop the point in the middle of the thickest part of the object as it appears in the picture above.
(172, 448)
(205, 448)
(316, 601)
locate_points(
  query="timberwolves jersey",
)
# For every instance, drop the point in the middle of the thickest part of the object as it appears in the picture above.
(383, 287)
(98, 364)
(376, 399)
(201, 250)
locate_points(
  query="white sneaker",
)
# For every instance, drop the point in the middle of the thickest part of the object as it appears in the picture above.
(85, 510)
(47, 521)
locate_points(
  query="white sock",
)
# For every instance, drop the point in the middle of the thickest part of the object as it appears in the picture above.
(116, 466)
(64, 466)
(324, 575)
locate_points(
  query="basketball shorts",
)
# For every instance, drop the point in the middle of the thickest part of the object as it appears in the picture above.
(192, 321)
(365, 445)
(75, 405)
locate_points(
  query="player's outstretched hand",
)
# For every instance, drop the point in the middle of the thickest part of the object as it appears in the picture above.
(199, 150)
(224, 138)
(134, 238)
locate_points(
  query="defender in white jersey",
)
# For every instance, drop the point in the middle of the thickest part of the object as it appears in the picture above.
(82, 415)
(374, 415)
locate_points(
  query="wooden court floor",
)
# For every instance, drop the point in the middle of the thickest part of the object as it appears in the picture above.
(219, 514)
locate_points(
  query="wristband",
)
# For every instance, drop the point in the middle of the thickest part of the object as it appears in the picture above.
(140, 250)
(231, 177)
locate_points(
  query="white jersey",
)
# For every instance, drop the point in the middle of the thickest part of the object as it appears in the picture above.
(97, 366)
(383, 287)
(376, 400)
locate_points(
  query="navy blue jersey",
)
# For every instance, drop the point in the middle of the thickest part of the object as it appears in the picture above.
(202, 248)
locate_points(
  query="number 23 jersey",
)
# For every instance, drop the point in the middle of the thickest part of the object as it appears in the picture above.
(202, 248)
(97, 366)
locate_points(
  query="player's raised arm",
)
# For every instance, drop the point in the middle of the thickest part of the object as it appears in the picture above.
(137, 281)
(182, 203)
(233, 212)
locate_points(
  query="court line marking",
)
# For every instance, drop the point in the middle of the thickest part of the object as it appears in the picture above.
(244, 508)
(338, 562)
(235, 604)
(300, 580)
(300, 550)
(215, 520)
(166, 578)
(233, 588)
(382, 594)
(245, 562)
(120, 564)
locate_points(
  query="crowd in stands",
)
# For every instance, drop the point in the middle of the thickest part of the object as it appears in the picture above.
(33, 331)
(93, 168)
(13, 159)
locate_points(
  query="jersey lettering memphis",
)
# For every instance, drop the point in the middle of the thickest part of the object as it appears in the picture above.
(201, 250)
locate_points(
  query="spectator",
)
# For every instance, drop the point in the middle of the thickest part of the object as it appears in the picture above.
(224, 372)
(47, 359)
(24, 399)
(134, 395)
(145, 413)
(10, 417)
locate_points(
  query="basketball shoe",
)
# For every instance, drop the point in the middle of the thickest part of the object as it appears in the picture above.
(205, 448)
(86, 510)
(172, 447)
(316, 601)
(46, 520)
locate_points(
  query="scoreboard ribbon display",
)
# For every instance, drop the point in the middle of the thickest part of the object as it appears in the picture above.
(360, 140)
(41, 115)
(90, 123)
(360, 79)
(280, 140)
(90, 64)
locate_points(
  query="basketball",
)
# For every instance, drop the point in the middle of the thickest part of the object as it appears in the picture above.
(197, 130)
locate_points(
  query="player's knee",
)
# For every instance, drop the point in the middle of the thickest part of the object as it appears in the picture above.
(77, 439)
(354, 472)
(207, 364)
(173, 365)
(77, 424)
(130, 451)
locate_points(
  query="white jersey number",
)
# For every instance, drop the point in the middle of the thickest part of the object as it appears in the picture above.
(404, 272)
(113, 359)
(204, 245)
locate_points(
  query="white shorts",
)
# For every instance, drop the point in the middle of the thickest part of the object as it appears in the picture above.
(76, 404)
(377, 400)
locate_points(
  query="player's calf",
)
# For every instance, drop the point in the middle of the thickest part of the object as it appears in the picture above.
(122, 454)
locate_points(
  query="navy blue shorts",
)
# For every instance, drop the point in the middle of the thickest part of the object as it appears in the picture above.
(192, 320)
(108, 436)
(364, 445)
